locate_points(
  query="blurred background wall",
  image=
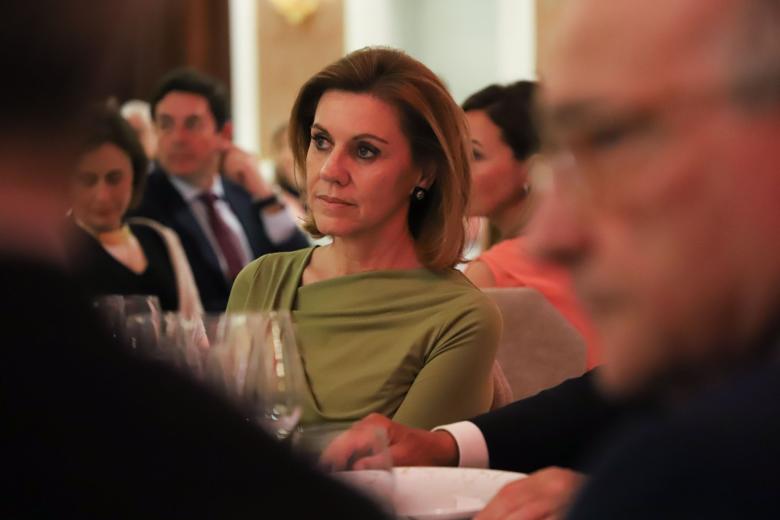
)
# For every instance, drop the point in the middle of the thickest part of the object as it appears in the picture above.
(265, 49)
(175, 33)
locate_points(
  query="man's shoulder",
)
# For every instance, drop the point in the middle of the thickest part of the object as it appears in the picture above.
(718, 455)
(729, 420)
(733, 409)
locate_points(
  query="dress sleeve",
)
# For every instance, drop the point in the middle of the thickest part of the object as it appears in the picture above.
(455, 382)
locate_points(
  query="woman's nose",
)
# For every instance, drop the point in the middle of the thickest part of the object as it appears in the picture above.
(334, 168)
(102, 191)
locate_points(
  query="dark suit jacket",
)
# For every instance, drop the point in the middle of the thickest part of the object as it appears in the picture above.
(89, 432)
(557, 427)
(717, 456)
(163, 203)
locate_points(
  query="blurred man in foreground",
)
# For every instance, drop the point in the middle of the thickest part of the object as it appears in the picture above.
(87, 431)
(663, 131)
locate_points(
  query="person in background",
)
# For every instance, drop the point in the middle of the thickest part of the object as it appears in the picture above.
(662, 202)
(503, 138)
(284, 172)
(88, 430)
(505, 141)
(139, 114)
(384, 320)
(108, 254)
(244, 168)
(222, 225)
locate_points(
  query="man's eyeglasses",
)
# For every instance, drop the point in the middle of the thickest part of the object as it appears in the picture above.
(597, 148)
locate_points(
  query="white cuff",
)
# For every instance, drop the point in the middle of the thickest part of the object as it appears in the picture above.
(473, 452)
(278, 226)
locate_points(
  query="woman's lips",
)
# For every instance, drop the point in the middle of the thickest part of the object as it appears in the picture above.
(334, 200)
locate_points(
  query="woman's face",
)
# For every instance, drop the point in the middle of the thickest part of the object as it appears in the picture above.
(497, 177)
(102, 188)
(359, 167)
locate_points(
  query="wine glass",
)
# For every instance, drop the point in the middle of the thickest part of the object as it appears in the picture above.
(275, 385)
(111, 309)
(183, 343)
(116, 308)
(142, 304)
(219, 348)
(142, 334)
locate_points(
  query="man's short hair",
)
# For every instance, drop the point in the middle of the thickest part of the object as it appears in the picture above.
(194, 82)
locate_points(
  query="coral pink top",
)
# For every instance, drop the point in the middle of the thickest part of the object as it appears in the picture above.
(512, 266)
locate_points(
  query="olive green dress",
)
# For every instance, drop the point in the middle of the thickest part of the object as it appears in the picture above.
(413, 345)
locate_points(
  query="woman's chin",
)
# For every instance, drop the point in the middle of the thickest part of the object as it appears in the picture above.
(334, 228)
(99, 226)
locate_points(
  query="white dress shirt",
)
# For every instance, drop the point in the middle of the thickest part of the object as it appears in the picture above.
(472, 448)
(191, 195)
(278, 226)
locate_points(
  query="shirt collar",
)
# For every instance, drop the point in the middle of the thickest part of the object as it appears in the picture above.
(190, 193)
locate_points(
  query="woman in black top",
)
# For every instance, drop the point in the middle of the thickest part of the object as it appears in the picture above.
(108, 254)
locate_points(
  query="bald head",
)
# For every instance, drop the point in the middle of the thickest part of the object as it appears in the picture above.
(670, 42)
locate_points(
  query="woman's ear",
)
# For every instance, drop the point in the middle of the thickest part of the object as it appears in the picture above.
(427, 176)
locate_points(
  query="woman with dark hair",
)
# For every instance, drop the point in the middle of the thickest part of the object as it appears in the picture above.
(385, 322)
(504, 140)
(112, 255)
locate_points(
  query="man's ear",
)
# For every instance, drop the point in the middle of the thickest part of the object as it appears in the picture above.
(227, 130)
(226, 135)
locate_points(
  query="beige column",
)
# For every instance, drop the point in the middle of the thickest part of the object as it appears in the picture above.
(289, 53)
(547, 14)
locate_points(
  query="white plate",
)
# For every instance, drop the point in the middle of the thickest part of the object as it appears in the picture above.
(426, 493)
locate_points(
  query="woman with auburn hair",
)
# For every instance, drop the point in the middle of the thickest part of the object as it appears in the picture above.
(385, 322)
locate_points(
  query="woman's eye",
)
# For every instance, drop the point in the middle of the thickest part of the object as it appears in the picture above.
(87, 180)
(478, 156)
(113, 178)
(366, 152)
(320, 141)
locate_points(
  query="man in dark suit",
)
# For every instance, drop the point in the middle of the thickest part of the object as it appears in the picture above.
(222, 224)
(659, 192)
(87, 430)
